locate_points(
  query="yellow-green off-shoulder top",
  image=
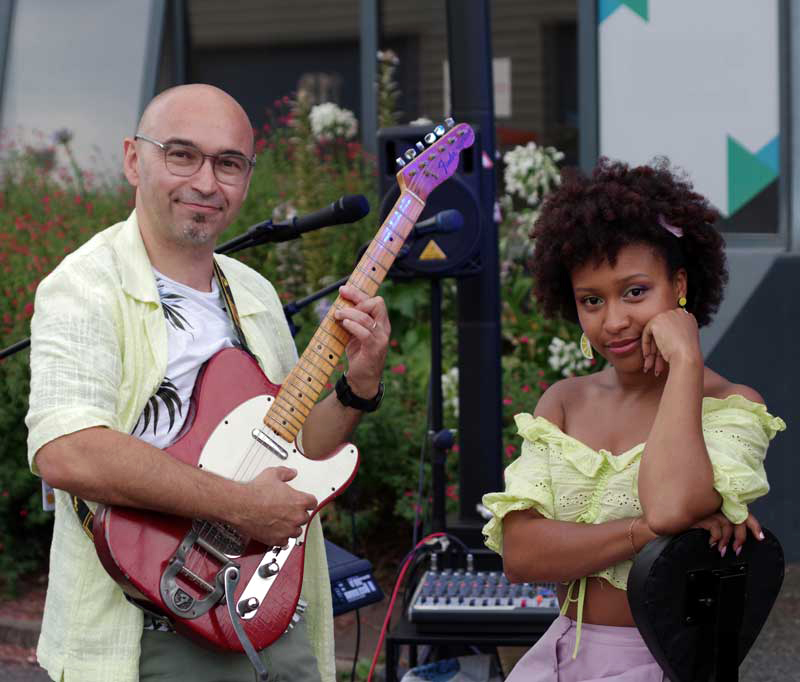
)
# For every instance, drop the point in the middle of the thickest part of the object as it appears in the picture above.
(565, 480)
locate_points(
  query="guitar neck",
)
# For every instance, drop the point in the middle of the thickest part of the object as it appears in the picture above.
(301, 389)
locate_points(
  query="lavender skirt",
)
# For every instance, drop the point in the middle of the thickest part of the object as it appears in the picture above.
(608, 653)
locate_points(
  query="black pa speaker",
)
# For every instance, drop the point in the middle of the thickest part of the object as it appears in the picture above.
(450, 254)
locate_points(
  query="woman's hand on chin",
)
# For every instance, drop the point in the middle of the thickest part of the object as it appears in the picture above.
(668, 338)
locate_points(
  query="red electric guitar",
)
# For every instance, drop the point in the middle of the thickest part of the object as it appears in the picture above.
(214, 585)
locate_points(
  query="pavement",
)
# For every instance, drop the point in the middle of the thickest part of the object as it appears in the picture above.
(775, 657)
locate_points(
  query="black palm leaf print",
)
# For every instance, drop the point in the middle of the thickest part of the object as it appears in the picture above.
(170, 303)
(172, 311)
(166, 395)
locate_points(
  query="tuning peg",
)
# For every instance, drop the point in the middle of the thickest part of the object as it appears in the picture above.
(430, 138)
(439, 130)
(449, 122)
(410, 154)
(420, 147)
(399, 162)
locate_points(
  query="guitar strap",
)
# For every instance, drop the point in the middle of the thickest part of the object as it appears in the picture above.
(86, 515)
(230, 304)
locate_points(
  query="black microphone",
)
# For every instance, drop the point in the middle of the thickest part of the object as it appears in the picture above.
(450, 220)
(346, 209)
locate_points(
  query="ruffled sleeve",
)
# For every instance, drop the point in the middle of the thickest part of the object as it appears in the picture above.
(527, 479)
(737, 433)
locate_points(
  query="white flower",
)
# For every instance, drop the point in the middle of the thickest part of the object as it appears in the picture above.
(450, 390)
(531, 171)
(566, 357)
(329, 122)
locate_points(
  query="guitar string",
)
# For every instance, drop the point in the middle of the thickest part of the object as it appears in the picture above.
(253, 461)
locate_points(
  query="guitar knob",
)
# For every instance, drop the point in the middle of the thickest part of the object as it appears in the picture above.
(247, 605)
(268, 570)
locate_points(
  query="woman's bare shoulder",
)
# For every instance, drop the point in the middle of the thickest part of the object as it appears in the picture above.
(558, 398)
(717, 386)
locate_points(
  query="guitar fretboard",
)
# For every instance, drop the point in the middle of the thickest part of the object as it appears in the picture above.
(301, 389)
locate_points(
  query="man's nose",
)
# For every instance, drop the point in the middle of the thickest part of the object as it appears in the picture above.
(204, 180)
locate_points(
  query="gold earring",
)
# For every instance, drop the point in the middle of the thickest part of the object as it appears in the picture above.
(586, 348)
(682, 303)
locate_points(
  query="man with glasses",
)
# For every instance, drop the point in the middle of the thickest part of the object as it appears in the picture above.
(121, 330)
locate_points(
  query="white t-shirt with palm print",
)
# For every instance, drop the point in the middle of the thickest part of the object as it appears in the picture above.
(198, 326)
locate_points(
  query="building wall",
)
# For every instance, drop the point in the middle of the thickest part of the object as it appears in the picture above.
(519, 30)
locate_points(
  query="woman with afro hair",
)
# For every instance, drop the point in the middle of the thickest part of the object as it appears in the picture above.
(653, 444)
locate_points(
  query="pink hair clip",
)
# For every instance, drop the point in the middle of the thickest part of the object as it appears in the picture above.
(677, 231)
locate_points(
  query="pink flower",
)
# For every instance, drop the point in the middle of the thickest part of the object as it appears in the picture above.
(526, 389)
(28, 309)
(393, 343)
(507, 401)
(541, 372)
(524, 339)
(544, 385)
(399, 369)
(510, 450)
(450, 491)
(455, 448)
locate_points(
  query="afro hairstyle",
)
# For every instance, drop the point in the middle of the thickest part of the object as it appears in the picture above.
(590, 218)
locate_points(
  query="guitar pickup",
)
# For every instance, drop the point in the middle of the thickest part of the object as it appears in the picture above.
(260, 437)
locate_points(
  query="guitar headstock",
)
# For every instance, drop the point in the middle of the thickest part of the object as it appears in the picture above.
(428, 164)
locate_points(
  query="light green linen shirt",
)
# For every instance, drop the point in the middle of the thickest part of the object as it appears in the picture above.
(98, 352)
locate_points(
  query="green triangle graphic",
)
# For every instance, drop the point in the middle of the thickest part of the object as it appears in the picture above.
(638, 6)
(747, 175)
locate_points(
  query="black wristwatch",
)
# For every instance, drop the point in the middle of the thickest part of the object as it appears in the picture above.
(349, 399)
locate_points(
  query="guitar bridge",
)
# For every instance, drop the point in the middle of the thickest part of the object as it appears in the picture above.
(178, 600)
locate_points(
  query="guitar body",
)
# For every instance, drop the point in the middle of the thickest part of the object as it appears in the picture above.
(139, 547)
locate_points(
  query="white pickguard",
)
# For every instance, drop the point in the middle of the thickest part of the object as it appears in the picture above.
(234, 452)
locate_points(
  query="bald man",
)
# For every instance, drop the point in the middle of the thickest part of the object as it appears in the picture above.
(121, 329)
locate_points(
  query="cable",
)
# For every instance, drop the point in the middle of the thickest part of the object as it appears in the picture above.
(358, 644)
(404, 567)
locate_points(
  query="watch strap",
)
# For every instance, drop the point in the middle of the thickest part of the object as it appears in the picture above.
(349, 399)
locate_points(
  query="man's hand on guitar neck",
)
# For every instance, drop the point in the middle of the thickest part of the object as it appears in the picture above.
(271, 510)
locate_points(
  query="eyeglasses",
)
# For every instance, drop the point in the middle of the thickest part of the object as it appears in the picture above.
(185, 160)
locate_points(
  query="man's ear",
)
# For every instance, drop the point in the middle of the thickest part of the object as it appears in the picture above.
(130, 162)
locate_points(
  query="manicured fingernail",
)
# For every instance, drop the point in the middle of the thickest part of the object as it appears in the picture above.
(712, 543)
(738, 551)
(760, 535)
(723, 551)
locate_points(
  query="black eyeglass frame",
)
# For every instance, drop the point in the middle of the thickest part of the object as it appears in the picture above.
(214, 157)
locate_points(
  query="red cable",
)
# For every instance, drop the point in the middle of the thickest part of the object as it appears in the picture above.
(394, 597)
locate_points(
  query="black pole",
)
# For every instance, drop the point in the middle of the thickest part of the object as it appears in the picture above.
(439, 519)
(480, 416)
